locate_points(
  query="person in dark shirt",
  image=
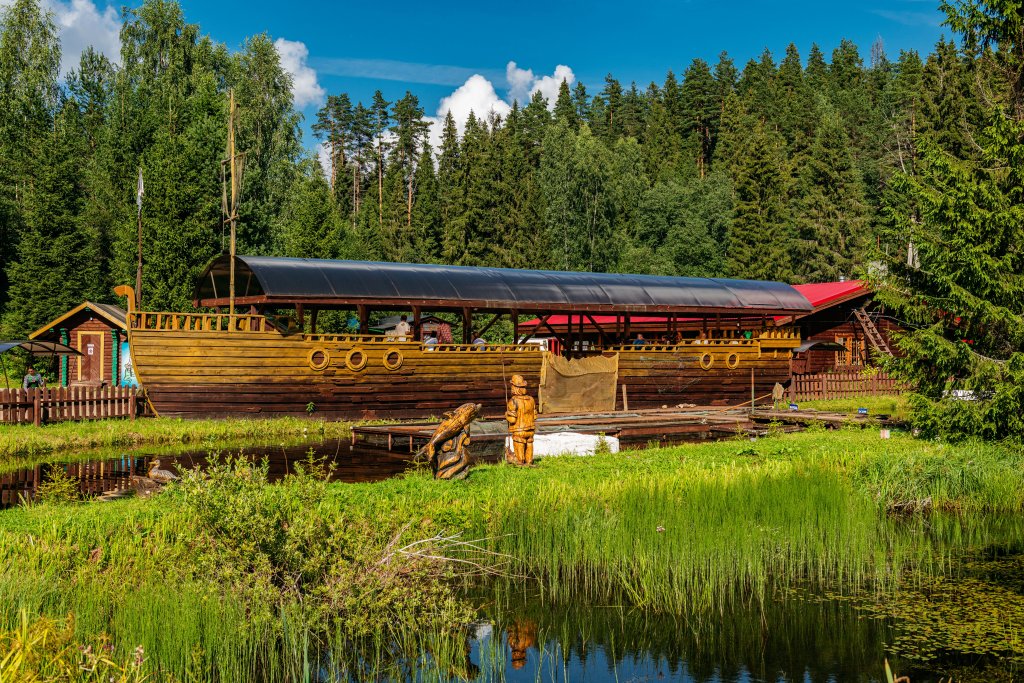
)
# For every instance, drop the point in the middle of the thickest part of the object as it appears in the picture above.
(639, 341)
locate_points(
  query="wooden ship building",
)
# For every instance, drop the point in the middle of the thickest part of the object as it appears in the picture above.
(719, 341)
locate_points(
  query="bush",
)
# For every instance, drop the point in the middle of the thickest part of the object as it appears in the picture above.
(58, 487)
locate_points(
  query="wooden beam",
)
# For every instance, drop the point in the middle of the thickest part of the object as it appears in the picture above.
(533, 331)
(481, 332)
(600, 330)
(514, 314)
(467, 325)
(417, 333)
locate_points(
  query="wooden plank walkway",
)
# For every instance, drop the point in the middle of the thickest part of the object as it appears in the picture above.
(806, 417)
(635, 427)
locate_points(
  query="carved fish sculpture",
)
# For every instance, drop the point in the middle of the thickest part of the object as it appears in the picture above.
(453, 423)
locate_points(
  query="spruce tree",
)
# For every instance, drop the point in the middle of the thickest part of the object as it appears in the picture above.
(565, 109)
(761, 238)
(830, 212)
(961, 285)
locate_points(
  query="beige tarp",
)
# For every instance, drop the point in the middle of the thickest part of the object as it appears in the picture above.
(581, 385)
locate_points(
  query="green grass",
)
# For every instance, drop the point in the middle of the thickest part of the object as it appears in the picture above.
(208, 584)
(895, 406)
(28, 441)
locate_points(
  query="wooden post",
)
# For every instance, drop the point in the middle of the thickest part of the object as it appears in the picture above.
(313, 316)
(364, 319)
(417, 333)
(514, 314)
(752, 397)
(625, 398)
(37, 408)
(467, 326)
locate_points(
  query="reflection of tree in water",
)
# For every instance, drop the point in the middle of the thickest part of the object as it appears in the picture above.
(788, 638)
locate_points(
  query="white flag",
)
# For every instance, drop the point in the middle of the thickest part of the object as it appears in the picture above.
(139, 192)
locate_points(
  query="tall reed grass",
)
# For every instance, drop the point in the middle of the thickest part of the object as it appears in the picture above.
(253, 582)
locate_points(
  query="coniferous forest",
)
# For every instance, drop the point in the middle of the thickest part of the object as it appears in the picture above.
(777, 169)
(800, 167)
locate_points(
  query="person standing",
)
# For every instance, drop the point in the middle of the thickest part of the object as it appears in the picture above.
(521, 415)
(402, 329)
(33, 380)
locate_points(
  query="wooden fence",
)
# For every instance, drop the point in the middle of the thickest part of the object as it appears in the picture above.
(828, 385)
(67, 403)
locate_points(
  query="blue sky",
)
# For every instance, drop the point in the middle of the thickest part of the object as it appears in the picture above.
(433, 49)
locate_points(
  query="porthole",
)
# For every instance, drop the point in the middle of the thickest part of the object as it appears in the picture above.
(732, 361)
(393, 359)
(706, 361)
(355, 360)
(319, 358)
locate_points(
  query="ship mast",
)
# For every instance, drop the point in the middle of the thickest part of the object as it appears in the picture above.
(232, 168)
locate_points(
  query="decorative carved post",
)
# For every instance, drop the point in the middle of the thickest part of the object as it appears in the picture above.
(521, 415)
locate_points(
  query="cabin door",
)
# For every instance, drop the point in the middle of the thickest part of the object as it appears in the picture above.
(90, 363)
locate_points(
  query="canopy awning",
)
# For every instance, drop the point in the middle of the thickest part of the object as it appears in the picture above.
(265, 280)
(820, 346)
(39, 348)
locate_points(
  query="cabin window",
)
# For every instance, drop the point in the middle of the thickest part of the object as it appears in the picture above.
(852, 353)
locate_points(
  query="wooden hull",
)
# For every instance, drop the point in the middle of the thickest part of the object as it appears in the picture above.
(216, 373)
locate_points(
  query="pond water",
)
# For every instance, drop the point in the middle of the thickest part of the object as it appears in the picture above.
(966, 625)
(108, 471)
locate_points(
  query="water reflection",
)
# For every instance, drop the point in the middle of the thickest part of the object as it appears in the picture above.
(113, 472)
(525, 639)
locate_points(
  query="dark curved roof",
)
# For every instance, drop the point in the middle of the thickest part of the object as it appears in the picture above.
(268, 280)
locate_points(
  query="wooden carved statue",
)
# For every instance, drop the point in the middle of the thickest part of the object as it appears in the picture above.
(446, 449)
(521, 415)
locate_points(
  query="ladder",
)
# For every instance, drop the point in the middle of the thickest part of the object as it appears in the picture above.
(871, 332)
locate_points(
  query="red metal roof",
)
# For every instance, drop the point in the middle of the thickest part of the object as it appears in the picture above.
(821, 293)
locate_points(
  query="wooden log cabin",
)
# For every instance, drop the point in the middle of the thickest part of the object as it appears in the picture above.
(275, 359)
(99, 332)
(845, 329)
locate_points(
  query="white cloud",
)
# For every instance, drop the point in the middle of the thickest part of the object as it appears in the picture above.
(522, 83)
(478, 95)
(305, 88)
(323, 154)
(81, 23)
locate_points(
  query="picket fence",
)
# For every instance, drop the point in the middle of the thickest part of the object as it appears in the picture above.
(57, 404)
(830, 385)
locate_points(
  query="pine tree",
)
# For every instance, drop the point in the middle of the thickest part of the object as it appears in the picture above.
(380, 119)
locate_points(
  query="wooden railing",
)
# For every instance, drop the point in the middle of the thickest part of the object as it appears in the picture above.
(37, 406)
(198, 322)
(829, 385)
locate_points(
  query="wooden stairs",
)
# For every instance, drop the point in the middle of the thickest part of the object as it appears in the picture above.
(875, 337)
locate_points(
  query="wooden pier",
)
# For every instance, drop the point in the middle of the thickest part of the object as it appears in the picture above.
(635, 427)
